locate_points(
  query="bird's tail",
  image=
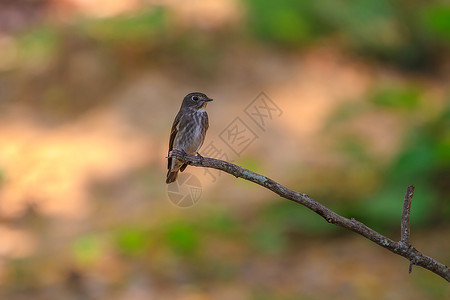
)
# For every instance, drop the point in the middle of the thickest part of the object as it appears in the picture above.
(171, 176)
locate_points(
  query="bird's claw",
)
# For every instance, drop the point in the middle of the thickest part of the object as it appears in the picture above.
(201, 157)
(181, 154)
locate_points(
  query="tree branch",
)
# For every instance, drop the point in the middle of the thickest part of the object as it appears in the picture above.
(405, 229)
(402, 247)
(405, 226)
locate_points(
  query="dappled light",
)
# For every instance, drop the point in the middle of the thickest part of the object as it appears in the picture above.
(346, 102)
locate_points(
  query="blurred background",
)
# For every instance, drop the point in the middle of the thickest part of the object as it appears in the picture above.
(358, 108)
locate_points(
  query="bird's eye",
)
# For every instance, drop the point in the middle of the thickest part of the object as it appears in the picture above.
(195, 98)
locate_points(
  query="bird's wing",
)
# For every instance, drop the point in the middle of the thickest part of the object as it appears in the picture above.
(173, 134)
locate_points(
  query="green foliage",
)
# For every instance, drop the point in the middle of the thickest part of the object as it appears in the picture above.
(182, 238)
(355, 148)
(364, 24)
(435, 21)
(424, 162)
(403, 97)
(97, 53)
(198, 52)
(268, 238)
(87, 249)
(132, 241)
(39, 46)
(343, 113)
(431, 287)
(442, 150)
(441, 131)
(384, 209)
(144, 27)
(290, 218)
(369, 24)
(417, 160)
(423, 158)
(220, 222)
(287, 22)
(251, 163)
(393, 31)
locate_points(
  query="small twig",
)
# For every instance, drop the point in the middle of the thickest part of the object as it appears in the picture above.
(401, 248)
(405, 226)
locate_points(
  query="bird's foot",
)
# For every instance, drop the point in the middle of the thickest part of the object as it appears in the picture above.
(201, 157)
(181, 155)
(170, 154)
(184, 155)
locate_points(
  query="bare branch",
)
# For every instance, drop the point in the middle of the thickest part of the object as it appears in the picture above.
(402, 247)
(405, 228)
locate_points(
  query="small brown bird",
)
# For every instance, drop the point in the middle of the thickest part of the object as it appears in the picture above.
(188, 131)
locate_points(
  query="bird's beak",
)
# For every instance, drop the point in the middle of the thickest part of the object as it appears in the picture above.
(207, 100)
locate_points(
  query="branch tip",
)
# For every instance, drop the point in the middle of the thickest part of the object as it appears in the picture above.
(402, 248)
(405, 223)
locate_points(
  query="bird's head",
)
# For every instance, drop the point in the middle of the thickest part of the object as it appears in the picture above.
(196, 100)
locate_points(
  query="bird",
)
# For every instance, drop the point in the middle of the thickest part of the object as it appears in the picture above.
(188, 131)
